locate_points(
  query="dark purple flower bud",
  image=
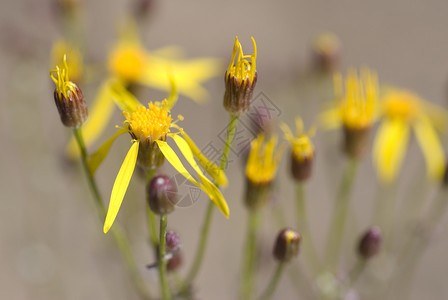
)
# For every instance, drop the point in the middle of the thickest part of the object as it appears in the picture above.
(162, 194)
(287, 245)
(370, 243)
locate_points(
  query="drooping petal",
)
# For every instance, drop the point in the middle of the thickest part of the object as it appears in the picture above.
(99, 116)
(212, 169)
(431, 147)
(121, 185)
(211, 189)
(389, 148)
(172, 158)
(97, 158)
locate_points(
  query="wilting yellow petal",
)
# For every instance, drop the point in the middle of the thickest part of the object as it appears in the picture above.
(431, 147)
(123, 98)
(389, 147)
(188, 75)
(97, 158)
(121, 185)
(172, 158)
(212, 190)
(215, 172)
(99, 116)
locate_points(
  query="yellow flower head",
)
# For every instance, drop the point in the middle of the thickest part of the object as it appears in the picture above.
(150, 128)
(301, 145)
(263, 160)
(241, 68)
(357, 104)
(149, 124)
(240, 80)
(404, 112)
(63, 84)
(128, 61)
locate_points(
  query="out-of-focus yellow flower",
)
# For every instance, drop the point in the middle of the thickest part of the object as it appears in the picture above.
(302, 150)
(355, 110)
(130, 63)
(263, 160)
(150, 128)
(356, 105)
(402, 112)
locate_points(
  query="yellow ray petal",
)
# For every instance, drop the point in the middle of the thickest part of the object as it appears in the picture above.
(431, 147)
(213, 170)
(211, 189)
(389, 148)
(121, 185)
(188, 75)
(172, 158)
(97, 158)
(99, 116)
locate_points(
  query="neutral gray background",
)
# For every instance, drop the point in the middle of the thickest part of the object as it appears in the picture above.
(52, 246)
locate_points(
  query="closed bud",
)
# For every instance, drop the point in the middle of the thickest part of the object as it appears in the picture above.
(370, 243)
(327, 52)
(68, 98)
(240, 80)
(287, 245)
(161, 195)
(172, 241)
(174, 262)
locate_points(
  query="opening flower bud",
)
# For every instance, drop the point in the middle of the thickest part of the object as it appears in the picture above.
(327, 52)
(287, 245)
(370, 243)
(162, 195)
(240, 80)
(68, 98)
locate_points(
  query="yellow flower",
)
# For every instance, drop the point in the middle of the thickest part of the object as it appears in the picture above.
(355, 107)
(150, 127)
(301, 145)
(302, 150)
(130, 63)
(403, 111)
(240, 79)
(263, 160)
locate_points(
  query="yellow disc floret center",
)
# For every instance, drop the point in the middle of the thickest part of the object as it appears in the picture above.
(128, 62)
(401, 104)
(302, 148)
(149, 124)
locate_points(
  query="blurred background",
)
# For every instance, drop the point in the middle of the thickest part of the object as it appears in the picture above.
(51, 242)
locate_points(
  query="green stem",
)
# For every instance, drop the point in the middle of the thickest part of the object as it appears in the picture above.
(310, 252)
(336, 230)
(199, 256)
(150, 216)
(356, 271)
(165, 290)
(267, 294)
(247, 281)
(117, 234)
